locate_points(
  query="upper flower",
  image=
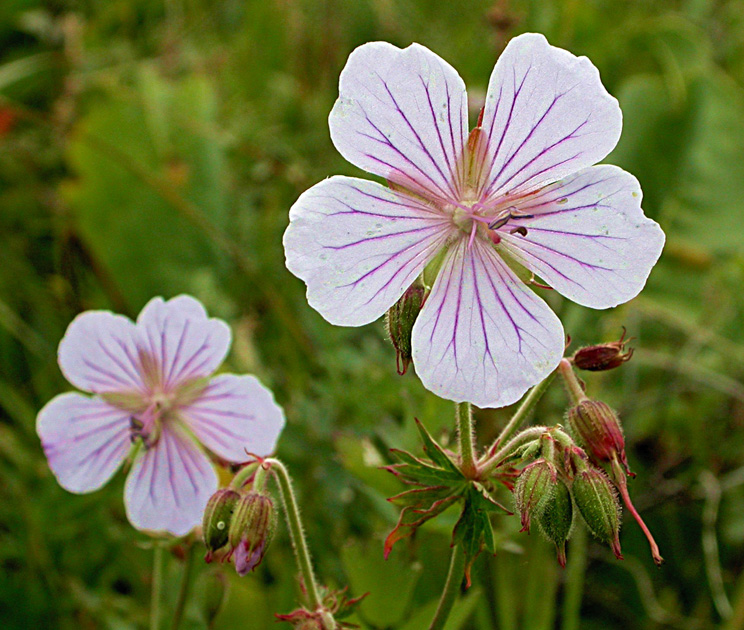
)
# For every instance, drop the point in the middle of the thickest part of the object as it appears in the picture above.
(151, 384)
(520, 188)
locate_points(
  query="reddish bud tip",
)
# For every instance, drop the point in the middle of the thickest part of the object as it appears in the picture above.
(252, 528)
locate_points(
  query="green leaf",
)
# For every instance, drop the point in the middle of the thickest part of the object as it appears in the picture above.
(142, 166)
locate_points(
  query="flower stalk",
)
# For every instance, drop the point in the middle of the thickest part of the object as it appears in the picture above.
(573, 386)
(185, 588)
(296, 531)
(466, 438)
(157, 586)
(525, 409)
(451, 586)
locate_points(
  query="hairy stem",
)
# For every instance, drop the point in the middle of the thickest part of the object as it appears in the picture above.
(466, 436)
(185, 588)
(525, 409)
(296, 531)
(451, 586)
(489, 464)
(157, 586)
(243, 475)
(573, 386)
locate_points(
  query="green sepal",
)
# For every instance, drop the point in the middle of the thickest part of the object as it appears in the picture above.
(436, 452)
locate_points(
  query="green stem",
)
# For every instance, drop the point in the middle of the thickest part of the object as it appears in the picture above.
(487, 466)
(466, 436)
(574, 586)
(525, 409)
(573, 386)
(451, 586)
(157, 586)
(243, 475)
(296, 532)
(183, 591)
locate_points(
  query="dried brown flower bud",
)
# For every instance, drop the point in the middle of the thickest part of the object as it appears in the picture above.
(605, 356)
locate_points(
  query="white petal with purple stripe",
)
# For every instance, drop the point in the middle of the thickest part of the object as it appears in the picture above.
(547, 115)
(179, 339)
(234, 416)
(169, 485)
(84, 439)
(99, 353)
(482, 335)
(402, 114)
(589, 238)
(358, 246)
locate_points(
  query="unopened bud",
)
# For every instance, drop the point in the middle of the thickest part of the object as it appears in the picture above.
(596, 499)
(598, 428)
(217, 517)
(556, 520)
(252, 528)
(605, 356)
(535, 487)
(400, 320)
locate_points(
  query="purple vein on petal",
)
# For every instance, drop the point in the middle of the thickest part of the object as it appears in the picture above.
(418, 138)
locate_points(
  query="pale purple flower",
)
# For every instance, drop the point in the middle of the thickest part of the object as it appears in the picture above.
(520, 188)
(151, 384)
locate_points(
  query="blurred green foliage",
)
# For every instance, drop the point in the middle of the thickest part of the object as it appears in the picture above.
(155, 148)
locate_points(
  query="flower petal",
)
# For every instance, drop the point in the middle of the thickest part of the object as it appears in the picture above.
(99, 353)
(402, 114)
(180, 341)
(169, 485)
(358, 246)
(84, 439)
(547, 115)
(482, 335)
(234, 416)
(589, 238)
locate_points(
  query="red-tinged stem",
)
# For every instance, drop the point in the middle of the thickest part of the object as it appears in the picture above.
(622, 485)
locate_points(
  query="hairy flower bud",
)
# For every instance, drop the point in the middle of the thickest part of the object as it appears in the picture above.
(400, 320)
(598, 428)
(596, 499)
(217, 517)
(604, 356)
(556, 519)
(536, 486)
(252, 528)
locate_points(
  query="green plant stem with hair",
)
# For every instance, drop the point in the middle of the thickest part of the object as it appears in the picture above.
(466, 437)
(157, 586)
(296, 531)
(451, 587)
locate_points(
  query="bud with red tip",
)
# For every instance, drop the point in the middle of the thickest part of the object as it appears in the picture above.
(399, 322)
(598, 428)
(604, 356)
(535, 487)
(217, 517)
(556, 519)
(253, 525)
(596, 500)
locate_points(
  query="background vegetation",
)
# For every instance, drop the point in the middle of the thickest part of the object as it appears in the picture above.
(152, 149)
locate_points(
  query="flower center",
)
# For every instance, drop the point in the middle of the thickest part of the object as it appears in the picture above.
(147, 425)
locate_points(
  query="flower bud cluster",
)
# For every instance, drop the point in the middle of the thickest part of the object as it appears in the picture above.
(240, 525)
(561, 482)
(598, 429)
